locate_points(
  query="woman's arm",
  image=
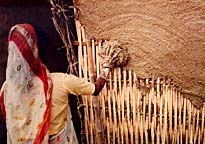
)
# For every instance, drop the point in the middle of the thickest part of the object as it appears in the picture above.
(101, 80)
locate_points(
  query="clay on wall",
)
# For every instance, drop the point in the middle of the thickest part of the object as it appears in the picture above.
(166, 38)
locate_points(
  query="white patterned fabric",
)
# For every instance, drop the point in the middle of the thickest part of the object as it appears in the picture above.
(26, 94)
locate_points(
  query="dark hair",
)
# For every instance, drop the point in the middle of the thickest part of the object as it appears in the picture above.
(42, 41)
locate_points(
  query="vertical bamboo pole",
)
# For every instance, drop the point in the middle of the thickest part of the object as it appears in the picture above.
(197, 129)
(109, 103)
(150, 97)
(122, 132)
(131, 135)
(180, 113)
(184, 115)
(181, 136)
(145, 98)
(118, 134)
(108, 131)
(115, 92)
(145, 130)
(114, 96)
(161, 107)
(85, 72)
(119, 94)
(85, 99)
(186, 134)
(191, 135)
(97, 59)
(134, 95)
(78, 29)
(91, 134)
(141, 130)
(204, 136)
(138, 113)
(202, 120)
(175, 110)
(199, 137)
(152, 133)
(128, 95)
(189, 108)
(165, 112)
(196, 133)
(158, 135)
(170, 103)
(91, 59)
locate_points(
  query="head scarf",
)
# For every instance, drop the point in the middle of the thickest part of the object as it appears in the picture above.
(26, 94)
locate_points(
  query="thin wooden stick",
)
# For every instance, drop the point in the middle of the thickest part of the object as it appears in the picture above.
(153, 133)
(170, 103)
(175, 110)
(202, 120)
(114, 95)
(108, 131)
(165, 113)
(184, 116)
(85, 72)
(141, 130)
(158, 135)
(199, 137)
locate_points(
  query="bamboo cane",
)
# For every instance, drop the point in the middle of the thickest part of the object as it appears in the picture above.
(99, 131)
(191, 135)
(170, 103)
(109, 99)
(119, 94)
(158, 135)
(161, 107)
(118, 134)
(108, 131)
(150, 96)
(131, 134)
(165, 113)
(141, 131)
(175, 110)
(199, 137)
(114, 94)
(184, 115)
(97, 59)
(189, 118)
(202, 120)
(204, 136)
(85, 57)
(196, 133)
(153, 133)
(145, 130)
(137, 93)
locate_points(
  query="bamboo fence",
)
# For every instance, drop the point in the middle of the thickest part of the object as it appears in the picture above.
(135, 110)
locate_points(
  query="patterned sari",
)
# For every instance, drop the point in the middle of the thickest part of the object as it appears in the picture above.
(25, 96)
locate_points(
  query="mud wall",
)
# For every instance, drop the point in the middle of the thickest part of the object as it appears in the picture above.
(166, 38)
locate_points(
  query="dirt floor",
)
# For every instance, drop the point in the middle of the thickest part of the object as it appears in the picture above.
(166, 38)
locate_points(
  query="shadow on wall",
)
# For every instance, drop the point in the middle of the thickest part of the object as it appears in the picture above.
(38, 15)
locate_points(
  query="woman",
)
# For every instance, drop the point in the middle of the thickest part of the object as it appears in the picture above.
(34, 102)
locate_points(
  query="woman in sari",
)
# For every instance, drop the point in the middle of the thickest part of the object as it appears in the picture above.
(34, 102)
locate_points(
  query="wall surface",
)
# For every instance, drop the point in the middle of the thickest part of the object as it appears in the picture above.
(166, 38)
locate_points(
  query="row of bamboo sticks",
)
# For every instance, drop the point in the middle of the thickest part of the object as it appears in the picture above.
(133, 110)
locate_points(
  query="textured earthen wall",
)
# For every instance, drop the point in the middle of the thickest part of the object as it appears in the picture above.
(166, 38)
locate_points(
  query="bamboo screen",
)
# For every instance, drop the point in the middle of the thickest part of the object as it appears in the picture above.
(134, 110)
